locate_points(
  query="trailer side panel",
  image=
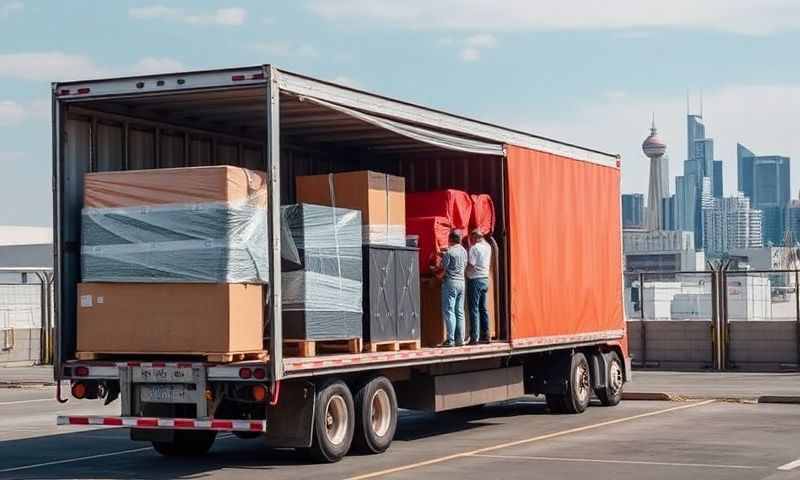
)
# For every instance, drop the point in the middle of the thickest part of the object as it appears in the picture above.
(565, 255)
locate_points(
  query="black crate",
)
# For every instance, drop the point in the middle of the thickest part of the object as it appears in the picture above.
(391, 293)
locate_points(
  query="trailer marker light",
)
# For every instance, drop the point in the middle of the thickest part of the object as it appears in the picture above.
(245, 373)
(81, 371)
(259, 373)
(63, 91)
(181, 81)
(139, 84)
(83, 91)
(79, 391)
(258, 76)
(237, 78)
(259, 393)
(160, 83)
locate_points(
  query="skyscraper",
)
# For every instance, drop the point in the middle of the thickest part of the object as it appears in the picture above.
(717, 179)
(655, 149)
(765, 180)
(699, 165)
(731, 222)
(632, 210)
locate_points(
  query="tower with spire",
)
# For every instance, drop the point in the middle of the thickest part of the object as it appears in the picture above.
(655, 149)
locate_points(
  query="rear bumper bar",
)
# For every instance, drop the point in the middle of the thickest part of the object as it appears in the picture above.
(167, 423)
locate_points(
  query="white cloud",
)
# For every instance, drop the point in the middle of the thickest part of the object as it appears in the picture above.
(763, 117)
(60, 66)
(481, 40)
(150, 65)
(233, 16)
(470, 54)
(10, 8)
(739, 16)
(48, 66)
(286, 49)
(13, 113)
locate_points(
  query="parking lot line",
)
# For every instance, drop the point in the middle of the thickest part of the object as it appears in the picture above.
(89, 457)
(627, 462)
(528, 440)
(15, 402)
(790, 465)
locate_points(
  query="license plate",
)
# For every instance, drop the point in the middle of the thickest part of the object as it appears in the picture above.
(166, 374)
(177, 393)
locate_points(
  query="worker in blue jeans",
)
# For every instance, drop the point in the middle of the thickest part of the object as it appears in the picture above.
(454, 264)
(479, 260)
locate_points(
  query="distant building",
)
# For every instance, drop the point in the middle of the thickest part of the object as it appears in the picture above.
(717, 179)
(768, 258)
(690, 187)
(731, 223)
(26, 247)
(765, 180)
(660, 251)
(654, 148)
(792, 220)
(632, 210)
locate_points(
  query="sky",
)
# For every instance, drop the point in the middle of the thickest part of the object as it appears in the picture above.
(587, 72)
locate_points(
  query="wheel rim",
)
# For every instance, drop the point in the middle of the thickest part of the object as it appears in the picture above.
(615, 378)
(336, 419)
(380, 412)
(582, 384)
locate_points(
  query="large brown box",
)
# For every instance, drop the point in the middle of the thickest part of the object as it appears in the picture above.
(169, 318)
(222, 183)
(380, 197)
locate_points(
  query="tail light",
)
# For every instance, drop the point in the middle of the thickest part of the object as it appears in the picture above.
(245, 373)
(259, 393)
(79, 390)
(259, 373)
(81, 371)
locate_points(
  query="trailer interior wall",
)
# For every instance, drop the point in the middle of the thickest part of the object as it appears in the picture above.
(565, 246)
(207, 128)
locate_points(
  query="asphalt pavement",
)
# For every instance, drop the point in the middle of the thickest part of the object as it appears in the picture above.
(515, 440)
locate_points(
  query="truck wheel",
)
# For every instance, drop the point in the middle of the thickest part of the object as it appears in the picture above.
(187, 443)
(612, 394)
(376, 416)
(579, 388)
(334, 423)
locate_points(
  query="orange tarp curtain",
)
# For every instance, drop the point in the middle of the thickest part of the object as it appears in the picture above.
(565, 245)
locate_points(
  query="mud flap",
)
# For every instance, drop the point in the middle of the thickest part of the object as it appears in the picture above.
(290, 422)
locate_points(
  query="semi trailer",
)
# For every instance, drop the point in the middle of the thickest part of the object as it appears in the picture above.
(561, 331)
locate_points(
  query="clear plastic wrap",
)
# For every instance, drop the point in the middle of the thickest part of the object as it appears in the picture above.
(204, 242)
(322, 295)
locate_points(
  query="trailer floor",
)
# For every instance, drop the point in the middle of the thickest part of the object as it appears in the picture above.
(675, 440)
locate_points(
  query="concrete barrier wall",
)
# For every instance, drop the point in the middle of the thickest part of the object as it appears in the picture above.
(671, 344)
(20, 346)
(763, 345)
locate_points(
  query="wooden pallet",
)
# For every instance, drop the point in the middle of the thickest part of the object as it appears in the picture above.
(215, 357)
(310, 348)
(392, 346)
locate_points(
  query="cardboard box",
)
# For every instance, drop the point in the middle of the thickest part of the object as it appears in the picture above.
(173, 318)
(380, 197)
(222, 183)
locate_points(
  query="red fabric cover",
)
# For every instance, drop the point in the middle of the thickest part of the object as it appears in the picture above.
(482, 214)
(454, 205)
(565, 246)
(433, 233)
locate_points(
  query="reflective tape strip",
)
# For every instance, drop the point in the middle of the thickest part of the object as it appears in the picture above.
(168, 423)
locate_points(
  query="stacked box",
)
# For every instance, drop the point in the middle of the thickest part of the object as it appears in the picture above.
(391, 293)
(379, 197)
(322, 293)
(172, 261)
(198, 224)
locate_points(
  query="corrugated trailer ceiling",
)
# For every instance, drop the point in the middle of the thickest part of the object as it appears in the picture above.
(241, 112)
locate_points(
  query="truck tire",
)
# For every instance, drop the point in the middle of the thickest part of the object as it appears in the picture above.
(611, 394)
(187, 443)
(334, 423)
(376, 416)
(579, 388)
